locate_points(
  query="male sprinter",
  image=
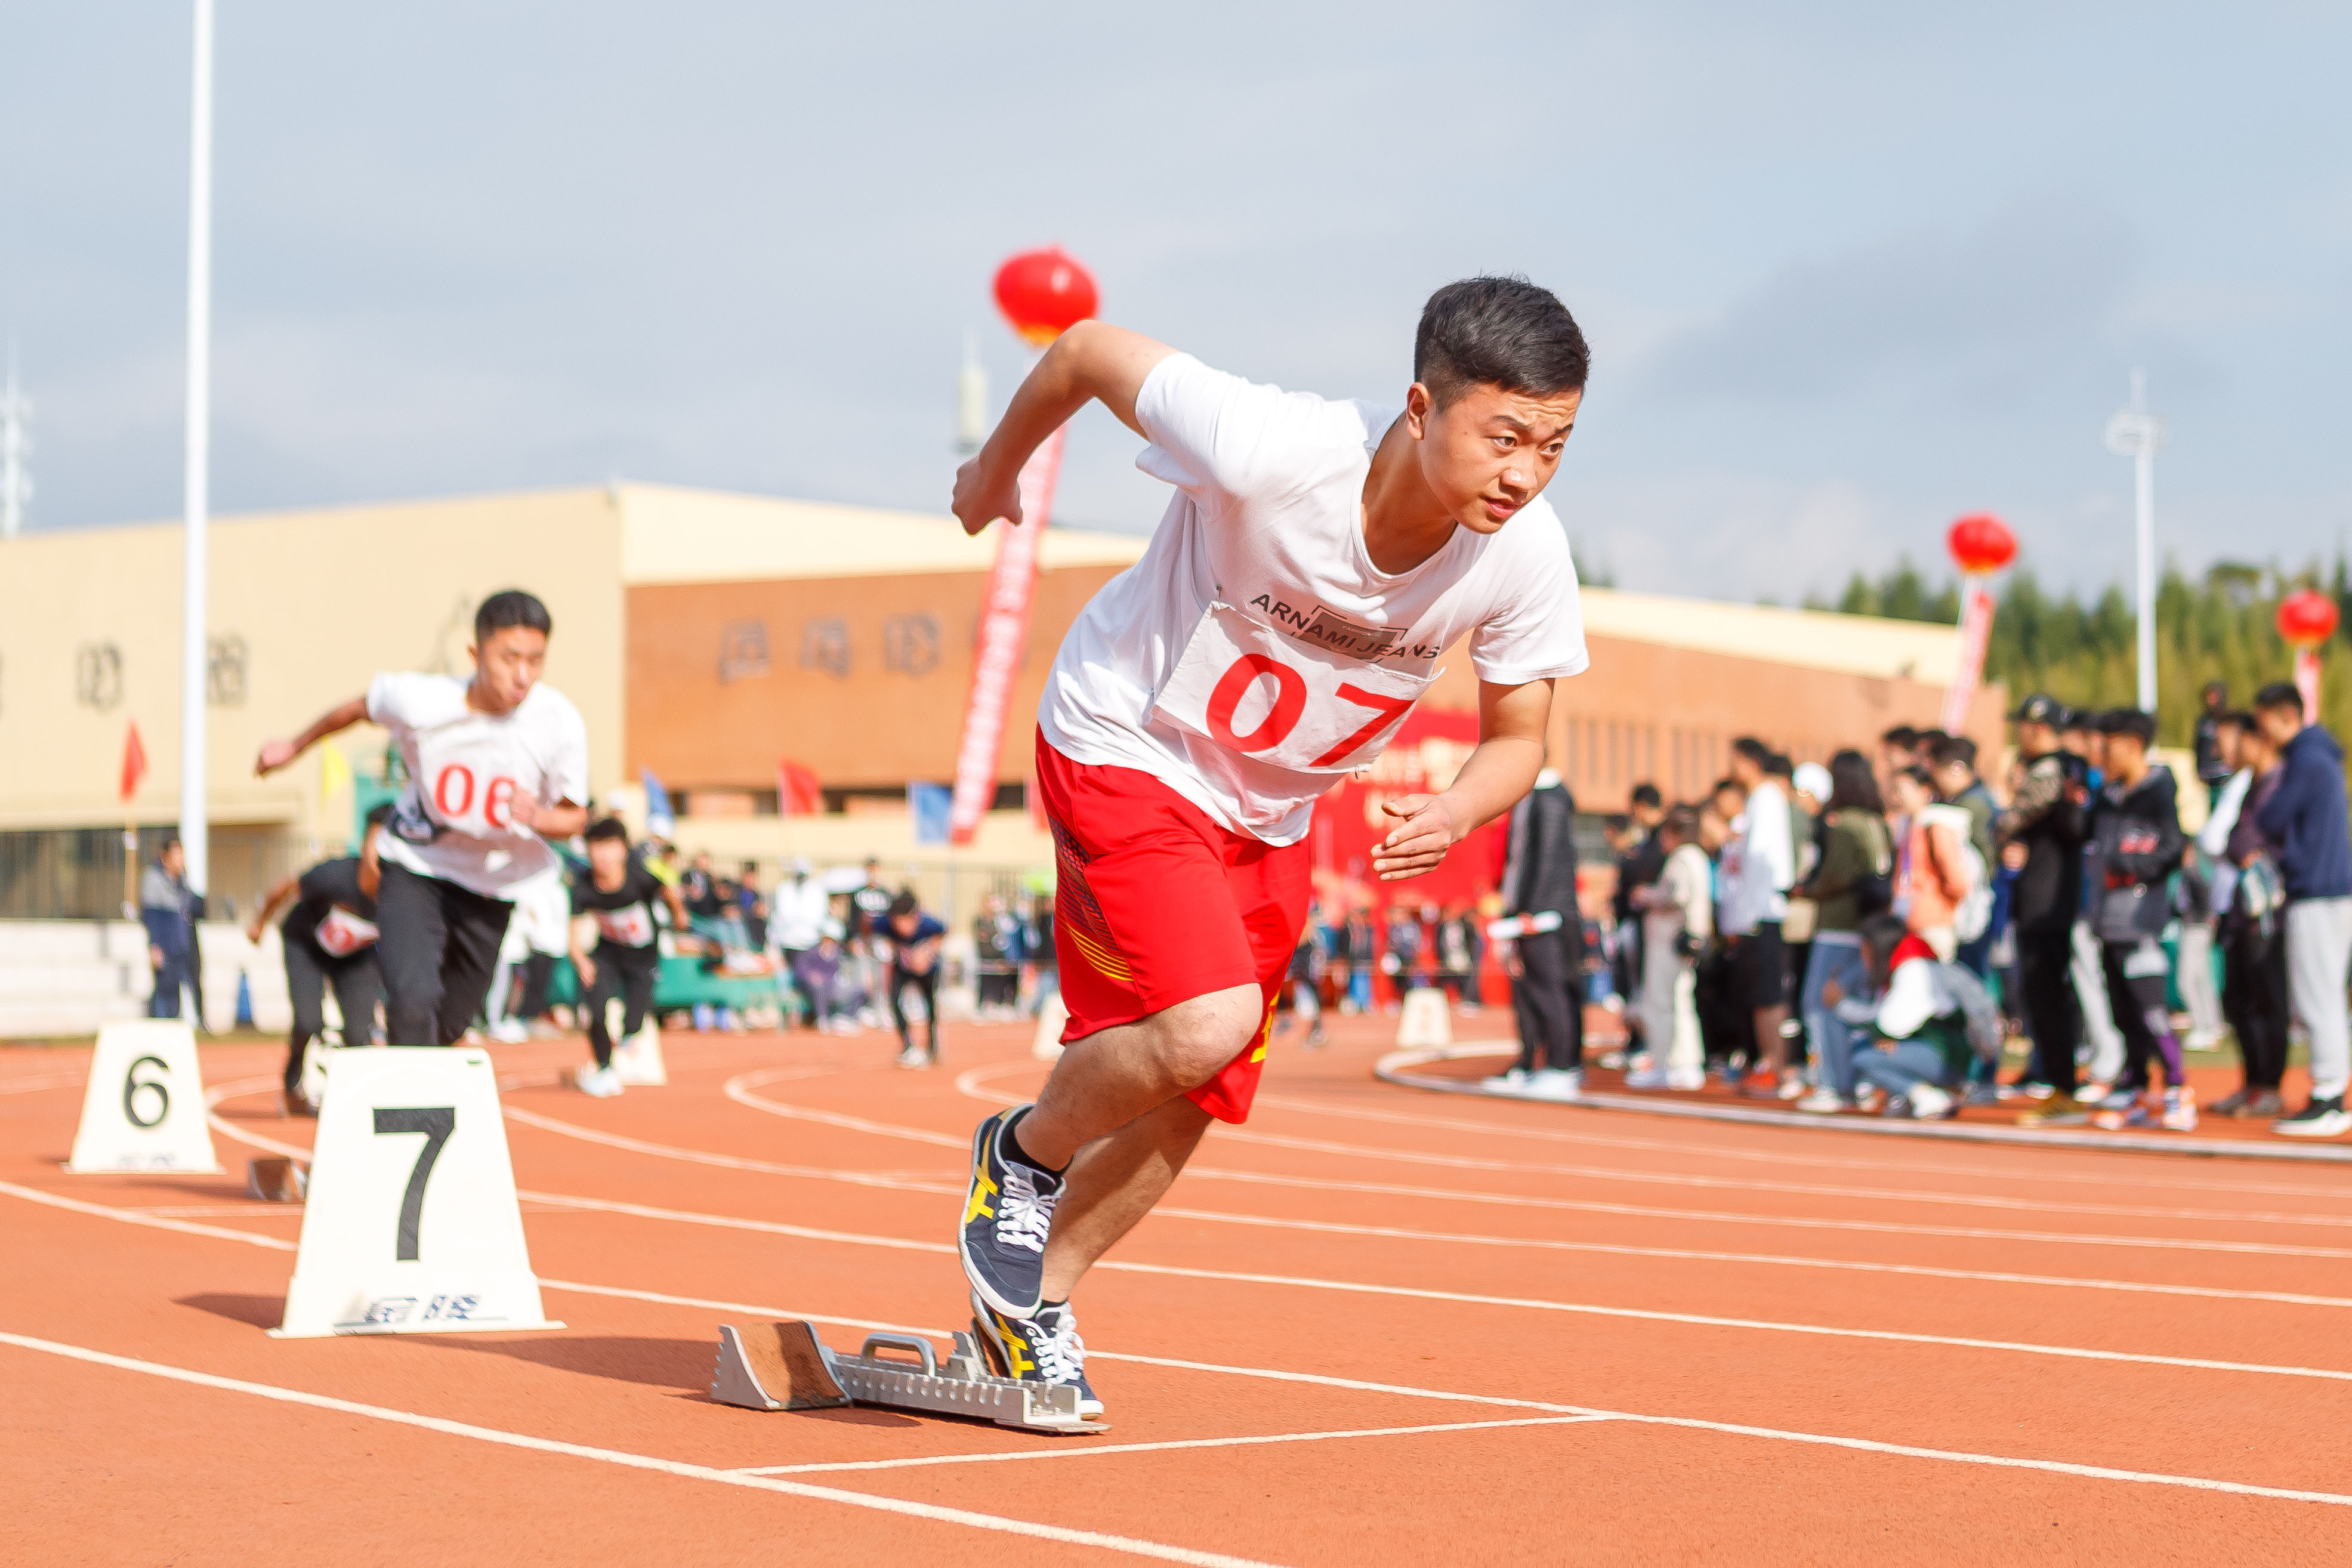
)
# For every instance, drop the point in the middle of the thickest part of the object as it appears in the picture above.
(1316, 559)
(493, 762)
(330, 938)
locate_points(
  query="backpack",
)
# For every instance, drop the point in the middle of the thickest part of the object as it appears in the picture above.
(1988, 1034)
(1973, 914)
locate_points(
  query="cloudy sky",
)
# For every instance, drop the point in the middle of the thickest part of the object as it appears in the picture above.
(1849, 269)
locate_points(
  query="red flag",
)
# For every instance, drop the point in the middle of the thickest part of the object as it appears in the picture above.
(135, 762)
(798, 793)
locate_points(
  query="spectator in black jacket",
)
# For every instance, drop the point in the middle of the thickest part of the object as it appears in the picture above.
(2251, 911)
(1545, 965)
(2213, 768)
(2040, 837)
(2137, 842)
(166, 909)
(2305, 818)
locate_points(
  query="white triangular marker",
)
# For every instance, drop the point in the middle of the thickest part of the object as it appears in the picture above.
(638, 1058)
(1426, 1021)
(411, 1225)
(143, 1108)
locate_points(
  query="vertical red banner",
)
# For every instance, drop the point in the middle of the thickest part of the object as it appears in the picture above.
(1976, 629)
(1003, 633)
(2307, 681)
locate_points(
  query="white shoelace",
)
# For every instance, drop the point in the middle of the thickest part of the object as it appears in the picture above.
(1023, 1214)
(1061, 1355)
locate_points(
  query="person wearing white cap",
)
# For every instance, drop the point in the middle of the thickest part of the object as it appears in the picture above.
(796, 913)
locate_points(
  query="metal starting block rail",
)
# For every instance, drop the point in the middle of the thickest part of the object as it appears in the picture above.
(784, 1367)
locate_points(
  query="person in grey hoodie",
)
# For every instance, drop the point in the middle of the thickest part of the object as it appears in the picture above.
(2305, 818)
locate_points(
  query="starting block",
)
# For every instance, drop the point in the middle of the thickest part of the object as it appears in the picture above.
(784, 1367)
(277, 1180)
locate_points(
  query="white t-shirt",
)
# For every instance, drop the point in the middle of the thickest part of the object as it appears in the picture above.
(465, 768)
(1759, 865)
(1260, 562)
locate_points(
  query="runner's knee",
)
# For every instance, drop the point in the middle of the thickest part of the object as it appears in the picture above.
(1200, 1035)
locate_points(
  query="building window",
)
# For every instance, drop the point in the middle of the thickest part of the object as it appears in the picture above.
(224, 671)
(910, 644)
(824, 644)
(742, 650)
(97, 675)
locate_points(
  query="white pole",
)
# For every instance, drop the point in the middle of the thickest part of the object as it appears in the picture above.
(2134, 433)
(2145, 467)
(194, 825)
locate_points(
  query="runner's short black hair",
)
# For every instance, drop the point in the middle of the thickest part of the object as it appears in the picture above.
(1955, 749)
(377, 815)
(2129, 722)
(1499, 332)
(511, 607)
(905, 903)
(2279, 694)
(607, 828)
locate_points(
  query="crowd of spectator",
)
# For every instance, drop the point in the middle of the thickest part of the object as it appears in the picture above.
(1869, 935)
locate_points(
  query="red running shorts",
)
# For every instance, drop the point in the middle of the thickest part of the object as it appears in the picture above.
(1155, 904)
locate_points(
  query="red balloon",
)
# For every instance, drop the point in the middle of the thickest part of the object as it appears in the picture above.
(2306, 618)
(1981, 543)
(1043, 293)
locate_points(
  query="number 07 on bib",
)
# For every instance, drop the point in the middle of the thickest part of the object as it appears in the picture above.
(1276, 700)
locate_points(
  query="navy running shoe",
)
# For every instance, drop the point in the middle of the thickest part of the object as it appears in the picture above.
(1041, 1349)
(1008, 1213)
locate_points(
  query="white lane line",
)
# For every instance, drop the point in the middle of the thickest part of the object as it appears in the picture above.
(1993, 1277)
(1799, 1189)
(724, 1162)
(1775, 1157)
(1525, 1303)
(1080, 1451)
(47, 1080)
(1773, 1434)
(1861, 1445)
(923, 1510)
(739, 1090)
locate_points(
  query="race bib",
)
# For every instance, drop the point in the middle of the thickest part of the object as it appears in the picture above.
(465, 780)
(630, 927)
(1275, 699)
(342, 933)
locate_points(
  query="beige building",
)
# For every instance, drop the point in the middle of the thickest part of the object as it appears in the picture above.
(707, 635)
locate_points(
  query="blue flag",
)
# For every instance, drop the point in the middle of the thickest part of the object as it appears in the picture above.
(930, 804)
(660, 821)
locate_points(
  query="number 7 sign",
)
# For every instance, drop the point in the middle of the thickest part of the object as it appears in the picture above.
(1274, 698)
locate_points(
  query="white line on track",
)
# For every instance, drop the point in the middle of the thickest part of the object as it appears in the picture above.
(1860, 1445)
(923, 1510)
(724, 1162)
(1712, 1216)
(2020, 1172)
(739, 1090)
(45, 1080)
(1079, 1451)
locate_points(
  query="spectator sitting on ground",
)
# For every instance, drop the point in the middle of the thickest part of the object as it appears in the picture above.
(1918, 1026)
(834, 997)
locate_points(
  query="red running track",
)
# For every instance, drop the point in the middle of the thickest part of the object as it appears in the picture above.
(1372, 1322)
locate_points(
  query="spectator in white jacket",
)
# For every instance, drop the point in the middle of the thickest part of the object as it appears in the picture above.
(796, 915)
(1760, 866)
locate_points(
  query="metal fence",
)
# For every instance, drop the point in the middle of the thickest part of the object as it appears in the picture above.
(76, 873)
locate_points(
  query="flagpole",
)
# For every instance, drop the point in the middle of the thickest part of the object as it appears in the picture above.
(195, 824)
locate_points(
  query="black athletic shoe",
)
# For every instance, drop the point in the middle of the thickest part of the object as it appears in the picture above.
(1043, 1349)
(1008, 1211)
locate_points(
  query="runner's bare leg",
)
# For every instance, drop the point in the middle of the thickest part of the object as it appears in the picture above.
(1113, 1182)
(1115, 1074)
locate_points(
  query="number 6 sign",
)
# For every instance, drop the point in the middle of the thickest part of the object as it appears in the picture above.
(411, 1225)
(144, 1106)
(1274, 698)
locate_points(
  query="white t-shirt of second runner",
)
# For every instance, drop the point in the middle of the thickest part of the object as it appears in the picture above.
(466, 768)
(1254, 655)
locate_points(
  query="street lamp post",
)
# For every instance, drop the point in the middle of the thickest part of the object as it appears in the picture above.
(195, 824)
(2134, 433)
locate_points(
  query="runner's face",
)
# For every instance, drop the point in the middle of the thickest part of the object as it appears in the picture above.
(1489, 452)
(507, 665)
(607, 857)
